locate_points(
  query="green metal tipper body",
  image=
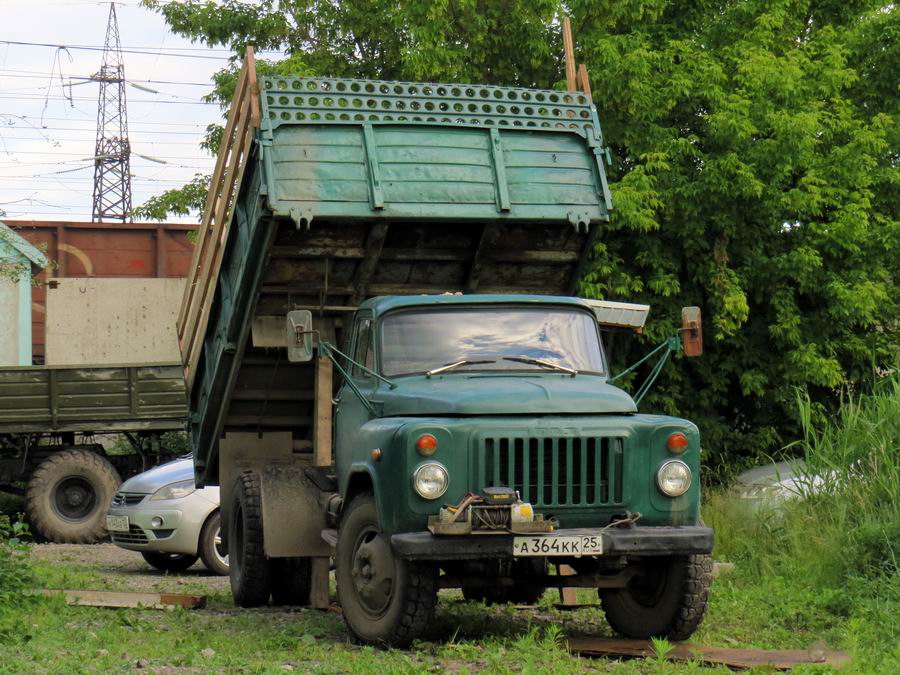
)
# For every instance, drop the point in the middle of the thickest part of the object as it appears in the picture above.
(469, 435)
(362, 188)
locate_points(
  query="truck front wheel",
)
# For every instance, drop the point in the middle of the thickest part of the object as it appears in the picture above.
(68, 496)
(385, 600)
(667, 598)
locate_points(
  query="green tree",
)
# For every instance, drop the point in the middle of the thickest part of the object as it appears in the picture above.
(755, 167)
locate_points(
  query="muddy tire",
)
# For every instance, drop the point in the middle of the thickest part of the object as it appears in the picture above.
(169, 562)
(213, 554)
(385, 600)
(68, 497)
(248, 568)
(291, 580)
(667, 600)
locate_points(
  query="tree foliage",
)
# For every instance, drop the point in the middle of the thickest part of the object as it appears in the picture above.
(755, 166)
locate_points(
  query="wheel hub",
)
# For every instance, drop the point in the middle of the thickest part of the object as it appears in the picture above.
(74, 499)
(373, 572)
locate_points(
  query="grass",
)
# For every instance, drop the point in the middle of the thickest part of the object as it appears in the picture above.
(815, 571)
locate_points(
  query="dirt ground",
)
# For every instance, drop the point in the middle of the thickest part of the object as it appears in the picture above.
(126, 570)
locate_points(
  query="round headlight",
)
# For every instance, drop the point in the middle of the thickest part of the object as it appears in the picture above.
(674, 478)
(431, 480)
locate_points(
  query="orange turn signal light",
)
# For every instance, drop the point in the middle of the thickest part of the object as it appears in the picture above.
(426, 445)
(677, 442)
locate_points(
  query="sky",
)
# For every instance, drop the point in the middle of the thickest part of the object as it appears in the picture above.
(48, 128)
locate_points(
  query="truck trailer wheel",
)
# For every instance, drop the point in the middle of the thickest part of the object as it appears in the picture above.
(248, 568)
(385, 600)
(668, 599)
(68, 497)
(291, 580)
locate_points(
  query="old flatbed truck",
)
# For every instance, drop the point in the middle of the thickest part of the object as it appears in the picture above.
(467, 436)
(51, 420)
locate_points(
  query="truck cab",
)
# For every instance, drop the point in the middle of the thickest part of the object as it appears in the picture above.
(481, 437)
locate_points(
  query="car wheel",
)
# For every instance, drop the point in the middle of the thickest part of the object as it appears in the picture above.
(385, 600)
(666, 599)
(212, 551)
(248, 568)
(68, 496)
(169, 562)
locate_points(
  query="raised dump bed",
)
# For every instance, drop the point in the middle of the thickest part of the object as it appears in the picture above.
(332, 191)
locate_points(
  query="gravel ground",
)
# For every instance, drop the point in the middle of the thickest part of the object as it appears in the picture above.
(126, 570)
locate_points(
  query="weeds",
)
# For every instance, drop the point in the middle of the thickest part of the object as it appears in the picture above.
(15, 568)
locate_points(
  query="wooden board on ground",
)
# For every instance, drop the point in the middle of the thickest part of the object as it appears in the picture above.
(782, 659)
(128, 599)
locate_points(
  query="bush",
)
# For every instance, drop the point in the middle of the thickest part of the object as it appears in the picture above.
(15, 568)
(847, 520)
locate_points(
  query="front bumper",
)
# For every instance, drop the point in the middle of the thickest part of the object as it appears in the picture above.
(178, 534)
(632, 541)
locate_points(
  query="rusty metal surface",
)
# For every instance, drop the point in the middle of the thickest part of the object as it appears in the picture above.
(103, 250)
(781, 659)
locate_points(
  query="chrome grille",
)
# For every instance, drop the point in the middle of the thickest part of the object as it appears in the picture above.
(135, 535)
(555, 471)
(127, 499)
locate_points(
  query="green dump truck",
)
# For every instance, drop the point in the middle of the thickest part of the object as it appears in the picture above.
(52, 421)
(386, 365)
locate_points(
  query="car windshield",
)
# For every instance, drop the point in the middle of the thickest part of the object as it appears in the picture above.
(422, 340)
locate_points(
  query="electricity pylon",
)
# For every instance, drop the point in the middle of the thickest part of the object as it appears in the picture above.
(112, 156)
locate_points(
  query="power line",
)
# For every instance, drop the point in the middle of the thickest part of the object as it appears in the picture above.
(32, 97)
(92, 48)
(38, 75)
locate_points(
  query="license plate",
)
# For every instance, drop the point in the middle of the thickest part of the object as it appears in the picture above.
(117, 523)
(555, 546)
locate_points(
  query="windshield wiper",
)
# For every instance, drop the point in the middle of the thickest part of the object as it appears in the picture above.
(541, 362)
(457, 364)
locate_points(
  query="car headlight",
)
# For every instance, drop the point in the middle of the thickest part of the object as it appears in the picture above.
(674, 478)
(431, 480)
(175, 490)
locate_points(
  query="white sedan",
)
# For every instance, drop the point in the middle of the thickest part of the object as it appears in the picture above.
(164, 516)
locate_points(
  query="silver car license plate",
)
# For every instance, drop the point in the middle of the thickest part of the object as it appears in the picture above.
(576, 545)
(117, 523)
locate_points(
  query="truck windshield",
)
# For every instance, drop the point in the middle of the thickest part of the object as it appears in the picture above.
(421, 340)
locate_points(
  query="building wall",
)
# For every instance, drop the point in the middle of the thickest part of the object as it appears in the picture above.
(9, 323)
(112, 321)
(132, 250)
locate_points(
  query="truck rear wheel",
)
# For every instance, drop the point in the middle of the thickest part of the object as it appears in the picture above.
(68, 497)
(385, 600)
(667, 599)
(248, 567)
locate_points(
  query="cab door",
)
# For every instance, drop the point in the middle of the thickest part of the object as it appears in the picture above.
(350, 412)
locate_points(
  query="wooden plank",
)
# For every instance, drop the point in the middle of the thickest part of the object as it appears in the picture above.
(323, 411)
(210, 272)
(781, 659)
(567, 596)
(569, 50)
(318, 591)
(208, 208)
(128, 599)
(250, 65)
(583, 82)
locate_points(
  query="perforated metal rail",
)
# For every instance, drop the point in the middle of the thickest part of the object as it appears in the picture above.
(292, 100)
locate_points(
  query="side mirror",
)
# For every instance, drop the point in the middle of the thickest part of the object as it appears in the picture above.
(691, 331)
(299, 336)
